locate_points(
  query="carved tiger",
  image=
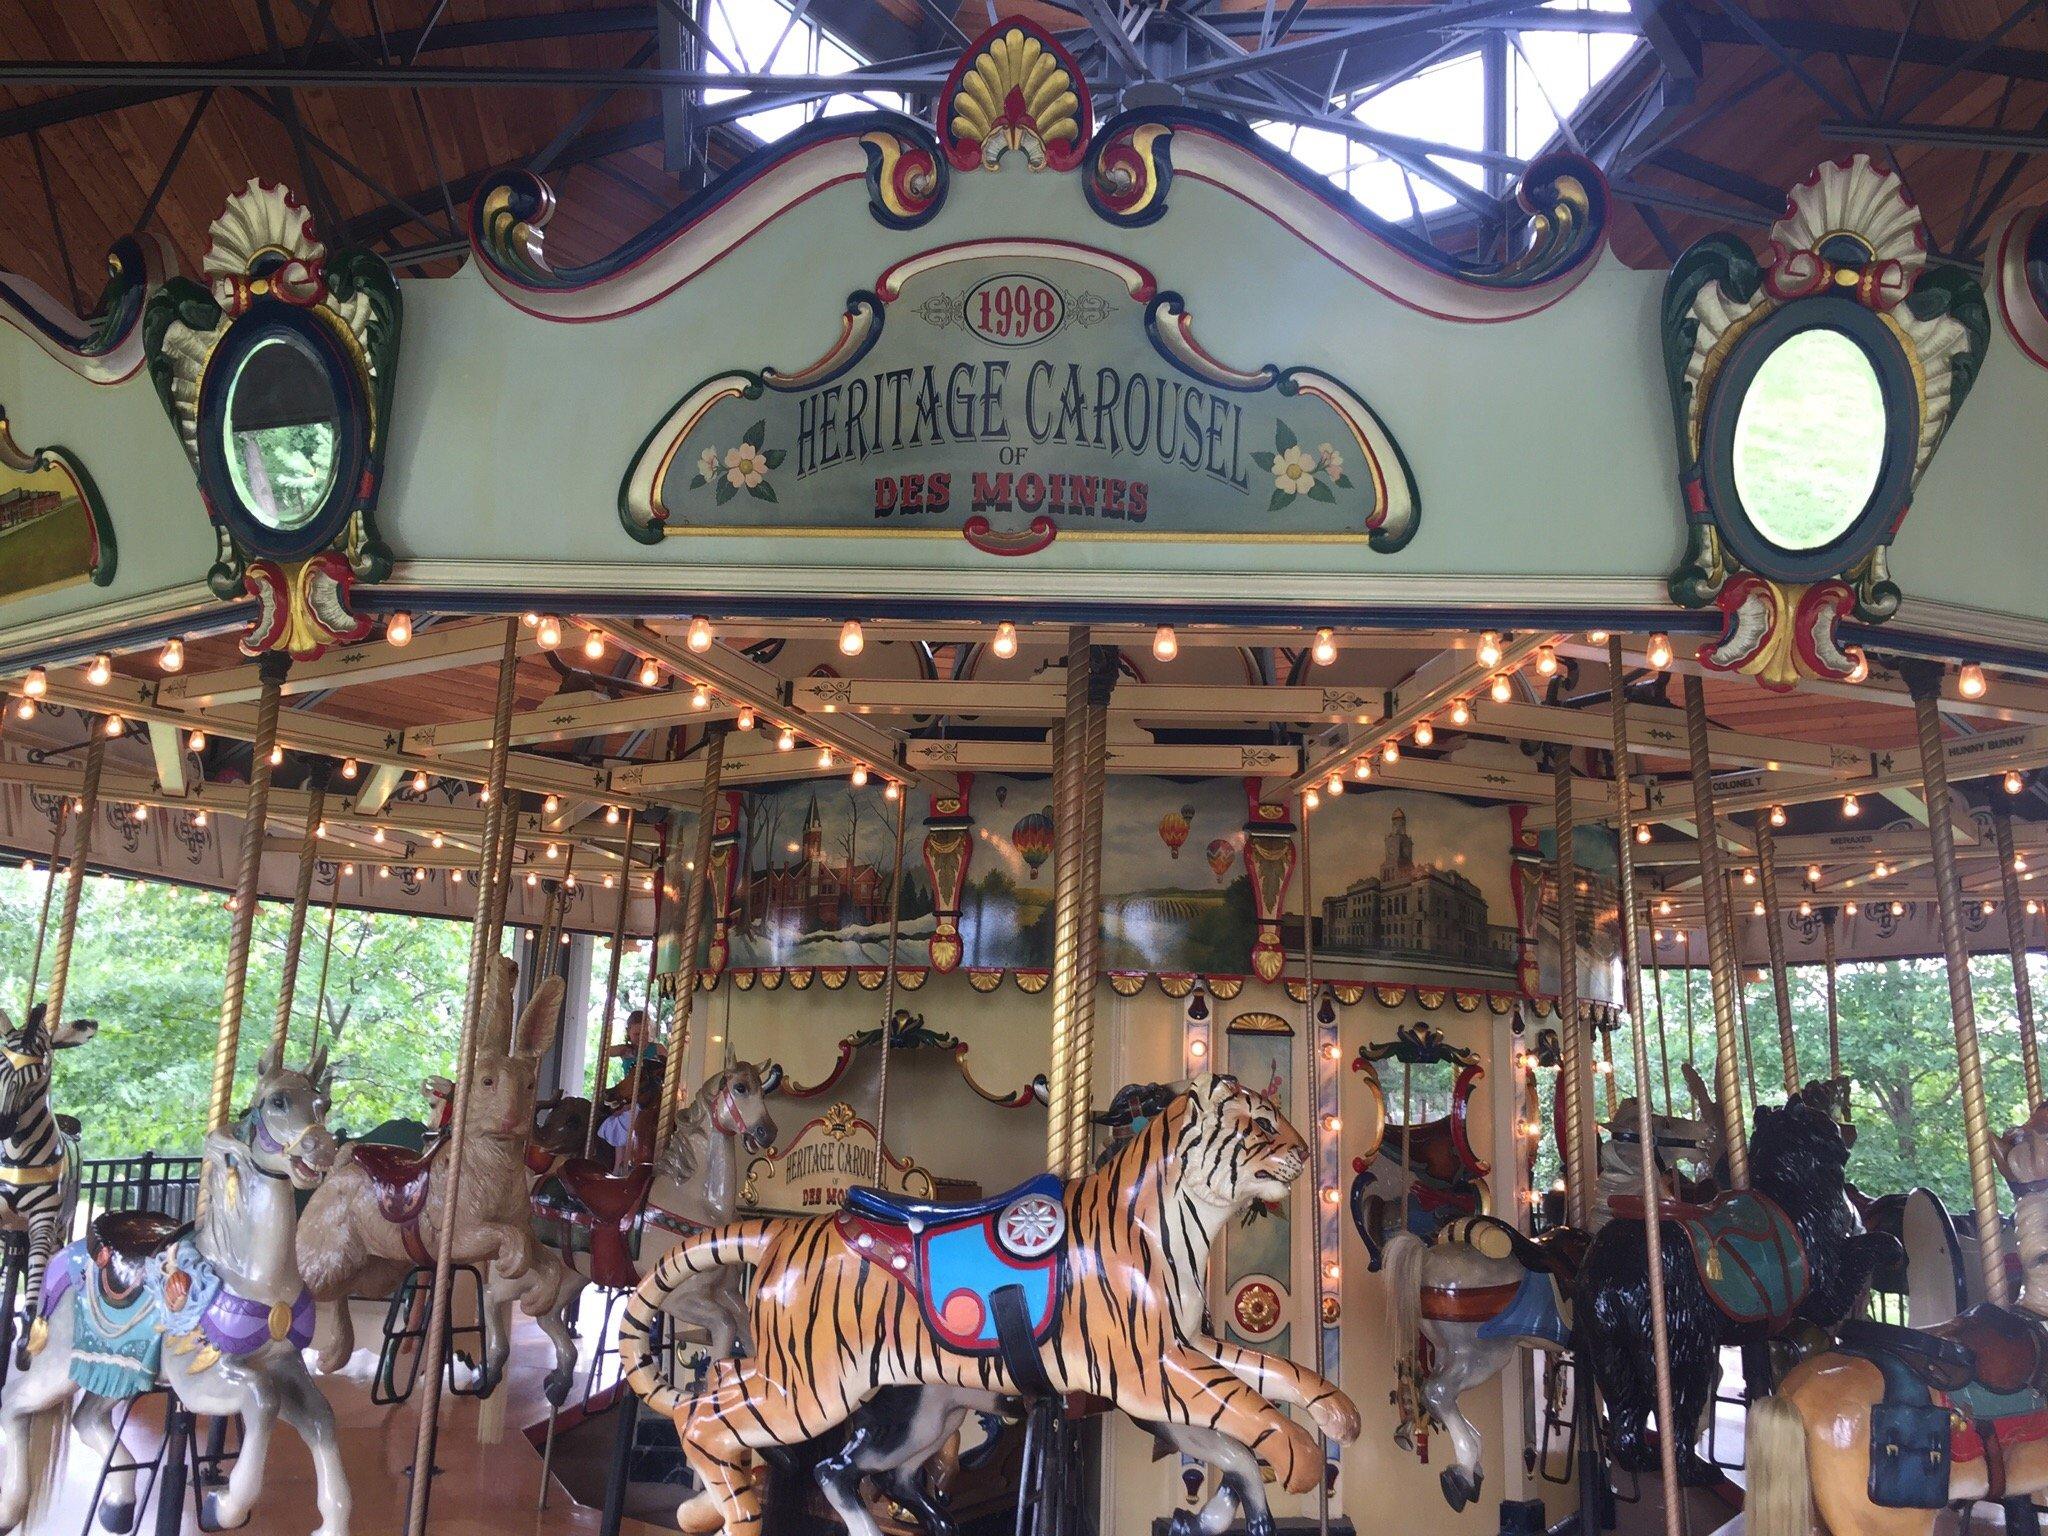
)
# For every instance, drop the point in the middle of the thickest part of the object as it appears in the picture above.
(832, 1326)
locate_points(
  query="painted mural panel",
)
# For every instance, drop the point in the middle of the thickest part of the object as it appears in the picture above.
(53, 530)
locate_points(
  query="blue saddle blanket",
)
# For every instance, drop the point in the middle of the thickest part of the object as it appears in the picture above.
(1750, 1258)
(1533, 1314)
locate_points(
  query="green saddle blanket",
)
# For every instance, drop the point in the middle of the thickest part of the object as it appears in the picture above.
(1750, 1258)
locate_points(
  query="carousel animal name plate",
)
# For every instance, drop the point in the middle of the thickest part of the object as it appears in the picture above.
(1011, 392)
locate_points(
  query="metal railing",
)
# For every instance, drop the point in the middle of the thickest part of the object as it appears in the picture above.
(151, 1182)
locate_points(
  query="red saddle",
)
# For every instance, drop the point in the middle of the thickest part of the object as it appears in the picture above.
(613, 1205)
(399, 1179)
(1631, 1208)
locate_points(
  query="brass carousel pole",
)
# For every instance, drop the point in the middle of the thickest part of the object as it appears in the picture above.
(1581, 1173)
(1079, 756)
(35, 965)
(888, 995)
(326, 959)
(1632, 982)
(611, 990)
(1663, 1040)
(2016, 940)
(302, 894)
(689, 935)
(1094, 765)
(1827, 940)
(271, 670)
(1720, 939)
(74, 877)
(1774, 935)
(492, 875)
(1314, 1107)
(1923, 678)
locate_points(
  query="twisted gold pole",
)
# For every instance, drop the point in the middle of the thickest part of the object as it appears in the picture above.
(1318, 1136)
(1632, 984)
(493, 874)
(1720, 939)
(1094, 761)
(889, 993)
(326, 959)
(1827, 940)
(2016, 941)
(1070, 738)
(1923, 678)
(35, 965)
(691, 937)
(1581, 1174)
(611, 991)
(1663, 1040)
(295, 934)
(242, 921)
(1774, 934)
(74, 877)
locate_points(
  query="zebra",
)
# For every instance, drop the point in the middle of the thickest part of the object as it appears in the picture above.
(38, 1154)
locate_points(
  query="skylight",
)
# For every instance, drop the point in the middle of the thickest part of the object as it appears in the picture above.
(760, 37)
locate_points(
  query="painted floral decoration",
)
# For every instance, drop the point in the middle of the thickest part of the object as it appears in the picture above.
(744, 468)
(1298, 472)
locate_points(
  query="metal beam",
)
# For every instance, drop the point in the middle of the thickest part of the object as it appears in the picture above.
(1382, 29)
(462, 643)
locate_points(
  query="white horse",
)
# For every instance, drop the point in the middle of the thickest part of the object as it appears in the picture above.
(225, 1307)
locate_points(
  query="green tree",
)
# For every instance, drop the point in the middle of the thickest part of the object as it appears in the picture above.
(148, 963)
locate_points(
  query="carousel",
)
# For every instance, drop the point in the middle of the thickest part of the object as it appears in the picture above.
(1142, 847)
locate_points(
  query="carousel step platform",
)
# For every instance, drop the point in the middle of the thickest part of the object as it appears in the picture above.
(1340, 1525)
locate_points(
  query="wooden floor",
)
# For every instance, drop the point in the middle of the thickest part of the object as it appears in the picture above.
(482, 1490)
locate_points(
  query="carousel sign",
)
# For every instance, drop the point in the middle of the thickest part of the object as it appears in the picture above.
(1011, 392)
(831, 1154)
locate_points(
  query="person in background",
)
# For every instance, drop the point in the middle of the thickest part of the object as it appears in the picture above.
(650, 1056)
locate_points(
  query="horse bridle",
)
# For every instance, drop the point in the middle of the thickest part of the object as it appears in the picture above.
(725, 1115)
(262, 1140)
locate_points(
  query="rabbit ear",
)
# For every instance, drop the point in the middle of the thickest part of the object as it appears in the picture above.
(543, 1016)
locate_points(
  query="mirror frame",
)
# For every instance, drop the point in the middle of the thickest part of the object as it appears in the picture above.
(265, 321)
(1889, 496)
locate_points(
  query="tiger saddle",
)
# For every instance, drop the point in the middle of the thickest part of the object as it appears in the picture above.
(987, 1274)
(605, 1204)
(1960, 1391)
(400, 1179)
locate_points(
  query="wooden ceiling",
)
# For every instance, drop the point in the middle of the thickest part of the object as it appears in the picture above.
(1780, 85)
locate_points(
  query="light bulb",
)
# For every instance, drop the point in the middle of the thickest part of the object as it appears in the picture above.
(196, 742)
(383, 871)
(1813, 874)
(419, 782)
(611, 815)
(1390, 751)
(1489, 649)
(1198, 1049)
(2019, 861)
(1898, 909)
(891, 790)
(276, 756)
(1546, 661)
(553, 850)
(438, 840)
(1749, 877)
(377, 836)
(851, 641)
(172, 658)
(552, 804)
(2013, 782)
(700, 697)
(698, 637)
(1656, 935)
(1659, 654)
(1332, 1124)
(549, 631)
(1806, 909)
(860, 775)
(1329, 1196)
(26, 708)
(101, 670)
(348, 869)
(116, 725)
(1859, 670)
(786, 742)
(1311, 800)
(1005, 642)
(1643, 832)
(1983, 908)
(1425, 733)
(1851, 806)
(1362, 769)
(568, 884)
(1664, 906)
(37, 683)
(1502, 690)
(1777, 815)
(824, 757)
(141, 811)
(1334, 785)
(593, 645)
(199, 820)
(529, 618)
(483, 794)
(532, 879)
(1881, 870)
(2033, 907)
(1324, 651)
(650, 672)
(1596, 637)
(1165, 644)
(1849, 908)
(607, 882)
(1970, 681)
(1461, 712)
(348, 768)
(455, 877)
(398, 629)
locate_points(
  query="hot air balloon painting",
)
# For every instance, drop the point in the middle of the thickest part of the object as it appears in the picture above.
(1033, 839)
(1173, 829)
(1222, 854)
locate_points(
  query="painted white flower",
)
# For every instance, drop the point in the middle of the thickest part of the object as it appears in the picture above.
(1331, 460)
(707, 464)
(744, 465)
(1294, 471)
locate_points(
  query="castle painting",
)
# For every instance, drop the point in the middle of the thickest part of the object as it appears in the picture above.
(1419, 910)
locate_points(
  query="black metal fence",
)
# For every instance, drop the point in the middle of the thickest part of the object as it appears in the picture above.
(151, 1182)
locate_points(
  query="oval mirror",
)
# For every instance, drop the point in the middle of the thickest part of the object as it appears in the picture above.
(283, 429)
(1810, 439)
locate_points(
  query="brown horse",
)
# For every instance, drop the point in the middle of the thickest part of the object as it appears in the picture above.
(1810, 1445)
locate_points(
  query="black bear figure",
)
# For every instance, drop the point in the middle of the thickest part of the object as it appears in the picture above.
(1737, 1271)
